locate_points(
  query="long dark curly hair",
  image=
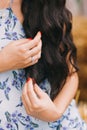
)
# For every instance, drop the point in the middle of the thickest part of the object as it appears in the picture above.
(54, 20)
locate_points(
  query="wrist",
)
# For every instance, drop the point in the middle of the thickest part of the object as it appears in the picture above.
(3, 62)
(50, 115)
(56, 114)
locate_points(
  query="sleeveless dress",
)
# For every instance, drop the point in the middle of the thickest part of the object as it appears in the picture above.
(12, 113)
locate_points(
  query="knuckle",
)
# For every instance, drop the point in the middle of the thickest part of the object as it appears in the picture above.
(25, 62)
(22, 50)
(36, 61)
(28, 91)
(35, 105)
(24, 56)
(25, 59)
(36, 56)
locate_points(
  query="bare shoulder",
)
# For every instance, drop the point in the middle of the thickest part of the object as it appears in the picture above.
(16, 8)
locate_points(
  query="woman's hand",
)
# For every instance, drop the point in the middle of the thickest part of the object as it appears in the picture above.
(37, 103)
(21, 53)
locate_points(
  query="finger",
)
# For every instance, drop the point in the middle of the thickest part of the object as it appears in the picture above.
(30, 64)
(39, 91)
(34, 42)
(38, 36)
(34, 58)
(31, 94)
(31, 60)
(25, 105)
(36, 49)
(25, 97)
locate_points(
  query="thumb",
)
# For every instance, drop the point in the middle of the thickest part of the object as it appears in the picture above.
(38, 91)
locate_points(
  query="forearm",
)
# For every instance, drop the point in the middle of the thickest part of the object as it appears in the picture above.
(67, 93)
(41, 106)
(5, 61)
(63, 99)
(3, 66)
(37, 103)
(50, 115)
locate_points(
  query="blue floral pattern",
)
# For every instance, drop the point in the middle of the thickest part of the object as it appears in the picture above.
(6, 89)
(12, 112)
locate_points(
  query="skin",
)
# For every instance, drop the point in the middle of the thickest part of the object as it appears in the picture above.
(36, 102)
(17, 54)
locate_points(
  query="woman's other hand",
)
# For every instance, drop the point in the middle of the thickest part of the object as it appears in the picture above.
(37, 103)
(21, 53)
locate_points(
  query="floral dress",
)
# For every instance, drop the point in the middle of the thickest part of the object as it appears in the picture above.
(12, 113)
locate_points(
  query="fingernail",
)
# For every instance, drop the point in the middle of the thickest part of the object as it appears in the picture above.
(30, 38)
(40, 33)
(28, 79)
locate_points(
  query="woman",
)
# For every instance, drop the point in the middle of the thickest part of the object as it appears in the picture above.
(12, 113)
(56, 71)
(16, 52)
